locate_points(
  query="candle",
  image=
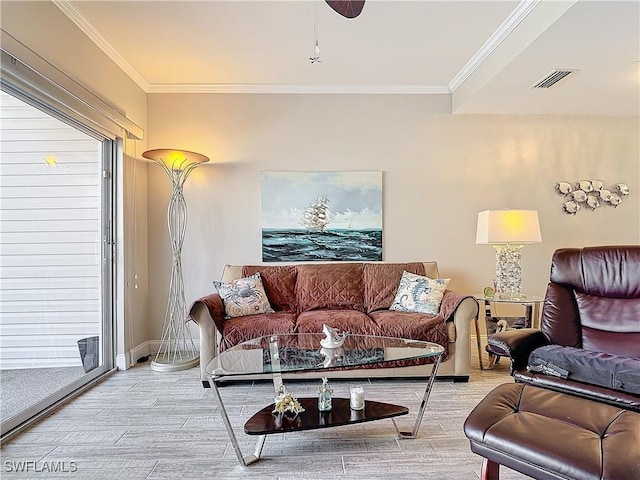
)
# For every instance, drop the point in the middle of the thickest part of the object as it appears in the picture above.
(356, 401)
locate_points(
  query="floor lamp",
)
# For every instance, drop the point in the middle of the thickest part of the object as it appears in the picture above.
(508, 231)
(177, 350)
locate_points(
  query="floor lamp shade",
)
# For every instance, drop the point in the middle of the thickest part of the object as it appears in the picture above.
(177, 350)
(508, 231)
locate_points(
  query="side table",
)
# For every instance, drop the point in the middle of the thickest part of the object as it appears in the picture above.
(497, 324)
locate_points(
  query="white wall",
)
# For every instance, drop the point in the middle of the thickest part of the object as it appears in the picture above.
(439, 172)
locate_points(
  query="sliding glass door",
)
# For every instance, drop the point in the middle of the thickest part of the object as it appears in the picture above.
(55, 258)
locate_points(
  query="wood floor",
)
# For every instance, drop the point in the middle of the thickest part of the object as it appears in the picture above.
(140, 424)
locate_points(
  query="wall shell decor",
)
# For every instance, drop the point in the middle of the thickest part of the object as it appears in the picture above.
(590, 194)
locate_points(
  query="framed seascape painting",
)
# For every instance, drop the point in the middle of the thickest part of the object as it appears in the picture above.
(308, 216)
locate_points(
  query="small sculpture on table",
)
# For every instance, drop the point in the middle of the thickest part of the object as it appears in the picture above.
(286, 404)
(324, 396)
(334, 338)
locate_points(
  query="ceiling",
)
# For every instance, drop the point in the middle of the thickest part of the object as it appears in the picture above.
(485, 54)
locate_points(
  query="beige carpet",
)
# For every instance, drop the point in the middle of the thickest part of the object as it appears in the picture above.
(22, 388)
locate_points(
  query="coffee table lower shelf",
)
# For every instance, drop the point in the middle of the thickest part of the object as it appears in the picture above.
(265, 423)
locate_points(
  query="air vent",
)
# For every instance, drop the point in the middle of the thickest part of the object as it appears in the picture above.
(551, 79)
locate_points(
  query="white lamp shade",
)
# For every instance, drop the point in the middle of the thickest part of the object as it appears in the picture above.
(508, 227)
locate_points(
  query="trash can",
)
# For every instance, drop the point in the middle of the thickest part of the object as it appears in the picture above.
(89, 353)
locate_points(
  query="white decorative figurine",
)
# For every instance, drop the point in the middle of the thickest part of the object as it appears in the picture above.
(333, 337)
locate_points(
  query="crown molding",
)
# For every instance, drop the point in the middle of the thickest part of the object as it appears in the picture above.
(298, 89)
(524, 8)
(83, 24)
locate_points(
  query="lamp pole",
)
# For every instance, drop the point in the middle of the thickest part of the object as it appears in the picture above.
(177, 350)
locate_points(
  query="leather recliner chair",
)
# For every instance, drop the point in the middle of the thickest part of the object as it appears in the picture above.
(592, 306)
(574, 409)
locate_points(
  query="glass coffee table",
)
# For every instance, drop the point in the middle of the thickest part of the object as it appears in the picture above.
(302, 352)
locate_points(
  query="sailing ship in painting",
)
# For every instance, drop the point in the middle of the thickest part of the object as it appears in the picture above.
(317, 241)
(317, 215)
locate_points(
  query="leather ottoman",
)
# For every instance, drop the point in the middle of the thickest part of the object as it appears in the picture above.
(552, 435)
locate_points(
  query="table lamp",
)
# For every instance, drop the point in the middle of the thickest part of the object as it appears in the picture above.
(177, 350)
(508, 231)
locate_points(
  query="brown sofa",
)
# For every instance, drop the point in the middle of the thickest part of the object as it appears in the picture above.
(574, 411)
(353, 297)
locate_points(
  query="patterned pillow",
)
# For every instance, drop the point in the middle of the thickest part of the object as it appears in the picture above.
(244, 296)
(419, 294)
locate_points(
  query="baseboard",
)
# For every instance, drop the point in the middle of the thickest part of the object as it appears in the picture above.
(128, 359)
(122, 361)
(145, 349)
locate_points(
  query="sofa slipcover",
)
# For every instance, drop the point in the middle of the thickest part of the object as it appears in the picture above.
(353, 297)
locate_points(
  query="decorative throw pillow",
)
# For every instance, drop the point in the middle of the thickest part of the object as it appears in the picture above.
(419, 294)
(244, 296)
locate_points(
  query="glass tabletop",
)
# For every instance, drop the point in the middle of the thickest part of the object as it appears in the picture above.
(509, 298)
(299, 352)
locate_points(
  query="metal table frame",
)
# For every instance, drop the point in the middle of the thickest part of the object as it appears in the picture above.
(246, 460)
(529, 302)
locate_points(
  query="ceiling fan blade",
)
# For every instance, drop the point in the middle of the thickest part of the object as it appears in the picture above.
(347, 8)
